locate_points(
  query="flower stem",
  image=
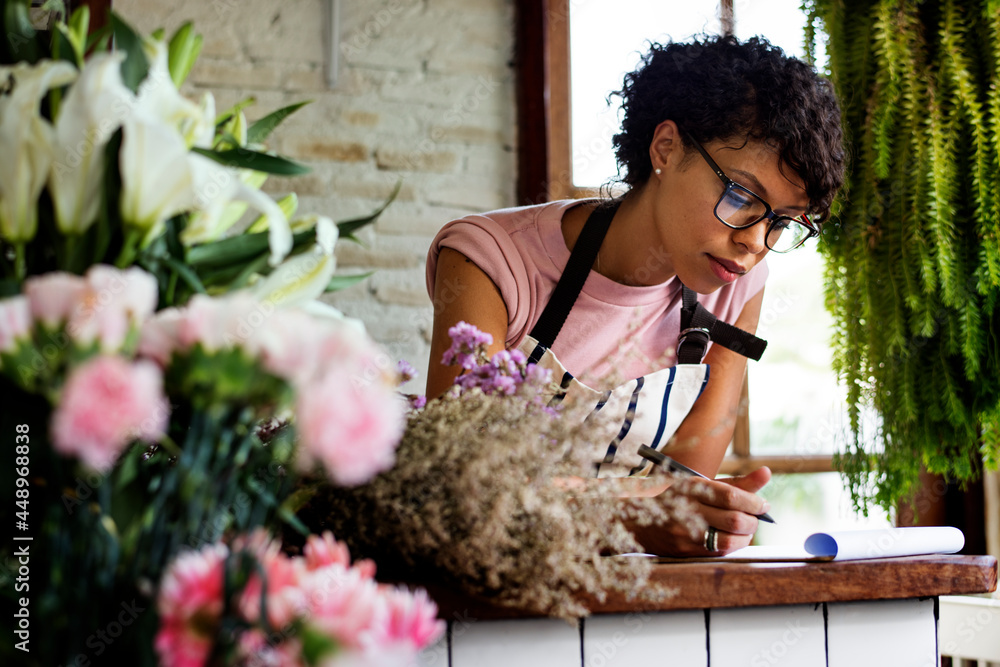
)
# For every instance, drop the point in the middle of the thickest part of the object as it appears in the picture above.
(20, 263)
(168, 444)
(129, 247)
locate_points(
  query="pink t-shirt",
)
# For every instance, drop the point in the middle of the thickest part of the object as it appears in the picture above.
(630, 329)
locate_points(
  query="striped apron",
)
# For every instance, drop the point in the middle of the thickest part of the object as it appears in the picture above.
(648, 410)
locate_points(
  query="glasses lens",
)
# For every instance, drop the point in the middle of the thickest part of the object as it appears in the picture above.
(740, 208)
(786, 234)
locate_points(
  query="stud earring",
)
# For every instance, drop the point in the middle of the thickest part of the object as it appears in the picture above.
(658, 171)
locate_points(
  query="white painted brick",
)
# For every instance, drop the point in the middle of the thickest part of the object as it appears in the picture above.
(309, 79)
(402, 287)
(371, 184)
(317, 182)
(291, 30)
(408, 51)
(319, 148)
(364, 23)
(479, 130)
(421, 157)
(387, 253)
(470, 191)
(405, 218)
(489, 162)
(212, 73)
(457, 93)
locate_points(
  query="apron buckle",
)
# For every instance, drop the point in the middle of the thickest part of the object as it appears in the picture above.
(692, 344)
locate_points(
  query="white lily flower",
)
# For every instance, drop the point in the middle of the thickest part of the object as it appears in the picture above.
(158, 97)
(327, 233)
(96, 106)
(157, 178)
(218, 186)
(214, 218)
(324, 310)
(299, 279)
(25, 143)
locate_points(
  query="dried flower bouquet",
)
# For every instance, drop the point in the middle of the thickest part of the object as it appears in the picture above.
(487, 498)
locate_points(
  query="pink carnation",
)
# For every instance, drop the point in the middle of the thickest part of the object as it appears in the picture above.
(103, 305)
(349, 424)
(113, 302)
(107, 403)
(345, 605)
(190, 604)
(289, 345)
(411, 619)
(255, 649)
(159, 337)
(325, 550)
(15, 322)
(222, 322)
(322, 551)
(286, 599)
(54, 296)
(343, 348)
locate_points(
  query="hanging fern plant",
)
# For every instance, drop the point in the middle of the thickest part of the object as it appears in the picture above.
(913, 253)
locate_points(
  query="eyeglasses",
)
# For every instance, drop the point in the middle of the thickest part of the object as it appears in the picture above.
(739, 208)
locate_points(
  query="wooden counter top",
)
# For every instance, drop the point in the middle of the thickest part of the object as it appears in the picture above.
(718, 584)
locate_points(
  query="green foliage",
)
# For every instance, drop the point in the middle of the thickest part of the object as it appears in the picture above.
(913, 253)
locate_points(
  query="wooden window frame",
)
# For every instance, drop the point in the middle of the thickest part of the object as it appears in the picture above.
(545, 168)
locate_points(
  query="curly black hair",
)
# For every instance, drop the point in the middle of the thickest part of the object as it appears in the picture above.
(721, 88)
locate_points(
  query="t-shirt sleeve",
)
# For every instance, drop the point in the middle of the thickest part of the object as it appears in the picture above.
(489, 246)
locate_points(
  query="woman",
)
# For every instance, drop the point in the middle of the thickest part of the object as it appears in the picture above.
(729, 150)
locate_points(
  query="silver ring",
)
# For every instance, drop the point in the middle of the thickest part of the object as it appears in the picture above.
(711, 541)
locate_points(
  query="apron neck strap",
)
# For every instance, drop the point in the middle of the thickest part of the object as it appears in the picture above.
(699, 326)
(581, 259)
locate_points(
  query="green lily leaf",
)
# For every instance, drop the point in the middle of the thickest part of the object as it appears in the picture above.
(232, 250)
(247, 159)
(236, 250)
(343, 282)
(136, 66)
(261, 129)
(348, 227)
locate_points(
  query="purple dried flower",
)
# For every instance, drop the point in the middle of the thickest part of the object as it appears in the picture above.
(417, 401)
(467, 344)
(503, 374)
(406, 371)
(536, 375)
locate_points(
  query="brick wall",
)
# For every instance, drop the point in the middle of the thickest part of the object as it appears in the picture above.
(424, 95)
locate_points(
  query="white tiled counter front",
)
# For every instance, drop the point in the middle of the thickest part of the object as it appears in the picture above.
(861, 613)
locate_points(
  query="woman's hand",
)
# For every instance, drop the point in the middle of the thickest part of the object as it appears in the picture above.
(729, 505)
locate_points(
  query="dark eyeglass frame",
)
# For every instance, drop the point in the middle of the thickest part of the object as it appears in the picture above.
(769, 213)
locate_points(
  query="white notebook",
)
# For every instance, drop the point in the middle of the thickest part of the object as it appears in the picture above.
(860, 545)
(850, 545)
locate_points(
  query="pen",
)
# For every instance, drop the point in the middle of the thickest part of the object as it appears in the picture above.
(661, 459)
